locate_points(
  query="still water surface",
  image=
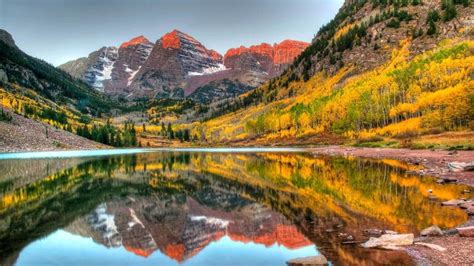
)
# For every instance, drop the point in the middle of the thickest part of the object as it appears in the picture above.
(208, 207)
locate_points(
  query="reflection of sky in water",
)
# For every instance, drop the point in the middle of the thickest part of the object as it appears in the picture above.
(64, 248)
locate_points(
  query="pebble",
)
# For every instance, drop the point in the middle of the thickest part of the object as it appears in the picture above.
(431, 231)
(373, 232)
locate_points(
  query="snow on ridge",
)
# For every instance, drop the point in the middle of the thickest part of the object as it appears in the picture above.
(135, 219)
(106, 224)
(132, 74)
(209, 70)
(102, 70)
(211, 220)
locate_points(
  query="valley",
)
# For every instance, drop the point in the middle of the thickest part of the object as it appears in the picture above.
(236, 133)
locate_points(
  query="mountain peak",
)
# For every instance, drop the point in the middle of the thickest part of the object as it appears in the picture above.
(7, 38)
(171, 40)
(174, 39)
(135, 41)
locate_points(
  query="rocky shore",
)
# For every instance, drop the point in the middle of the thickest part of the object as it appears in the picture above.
(453, 246)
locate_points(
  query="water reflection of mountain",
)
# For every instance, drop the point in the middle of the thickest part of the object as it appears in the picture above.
(181, 227)
(180, 202)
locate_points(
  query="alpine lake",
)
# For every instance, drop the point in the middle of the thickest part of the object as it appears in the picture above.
(209, 207)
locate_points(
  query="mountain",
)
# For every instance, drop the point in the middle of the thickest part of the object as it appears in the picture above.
(40, 103)
(174, 57)
(381, 71)
(144, 226)
(111, 69)
(246, 68)
(130, 58)
(177, 65)
(32, 78)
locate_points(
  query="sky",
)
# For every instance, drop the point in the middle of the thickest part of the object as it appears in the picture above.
(61, 30)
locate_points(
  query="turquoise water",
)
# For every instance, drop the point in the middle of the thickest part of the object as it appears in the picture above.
(109, 152)
(76, 250)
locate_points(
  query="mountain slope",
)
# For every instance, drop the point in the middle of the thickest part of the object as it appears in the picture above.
(48, 97)
(23, 71)
(23, 134)
(174, 57)
(379, 69)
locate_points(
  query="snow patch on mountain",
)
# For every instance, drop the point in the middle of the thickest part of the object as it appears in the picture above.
(101, 70)
(105, 223)
(135, 219)
(210, 220)
(209, 70)
(132, 74)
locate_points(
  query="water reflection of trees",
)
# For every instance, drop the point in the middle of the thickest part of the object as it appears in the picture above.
(317, 194)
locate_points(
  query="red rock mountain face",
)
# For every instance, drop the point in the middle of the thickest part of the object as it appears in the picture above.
(145, 226)
(174, 57)
(264, 57)
(177, 65)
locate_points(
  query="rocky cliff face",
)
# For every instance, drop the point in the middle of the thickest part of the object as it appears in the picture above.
(131, 57)
(271, 60)
(7, 38)
(111, 69)
(177, 65)
(95, 69)
(174, 57)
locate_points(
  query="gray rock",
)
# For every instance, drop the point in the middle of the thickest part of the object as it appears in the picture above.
(454, 202)
(373, 232)
(467, 204)
(389, 241)
(458, 166)
(3, 76)
(432, 231)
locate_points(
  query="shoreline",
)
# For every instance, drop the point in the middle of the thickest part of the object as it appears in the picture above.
(432, 163)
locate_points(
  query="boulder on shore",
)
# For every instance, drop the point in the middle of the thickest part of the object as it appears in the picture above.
(466, 231)
(431, 231)
(388, 241)
(453, 202)
(457, 166)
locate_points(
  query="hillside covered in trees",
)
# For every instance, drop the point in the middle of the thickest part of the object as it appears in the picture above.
(38, 91)
(380, 70)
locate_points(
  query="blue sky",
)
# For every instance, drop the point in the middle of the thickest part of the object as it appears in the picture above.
(61, 30)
